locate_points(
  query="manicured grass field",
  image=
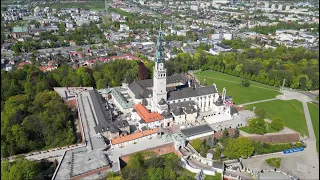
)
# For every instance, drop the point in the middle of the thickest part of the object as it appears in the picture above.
(314, 114)
(215, 177)
(246, 129)
(274, 162)
(291, 112)
(254, 92)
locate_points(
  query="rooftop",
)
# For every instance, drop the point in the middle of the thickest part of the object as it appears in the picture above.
(196, 130)
(147, 116)
(104, 116)
(19, 29)
(191, 92)
(133, 136)
(122, 101)
(143, 88)
(79, 161)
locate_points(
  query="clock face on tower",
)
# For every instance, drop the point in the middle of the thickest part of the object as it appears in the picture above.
(160, 65)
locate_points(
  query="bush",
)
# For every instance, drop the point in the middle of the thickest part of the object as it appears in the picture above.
(245, 82)
(277, 124)
(266, 148)
(260, 113)
(257, 126)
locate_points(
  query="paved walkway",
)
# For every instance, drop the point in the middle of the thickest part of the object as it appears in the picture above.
(255, 102)
(305, 164)
(309, 122)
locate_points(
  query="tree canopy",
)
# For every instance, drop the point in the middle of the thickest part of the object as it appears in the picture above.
(257, 126)
(155, 167)
(298, 66)
(277, 124)
(260, 113)
(239, 147)
(23, 169)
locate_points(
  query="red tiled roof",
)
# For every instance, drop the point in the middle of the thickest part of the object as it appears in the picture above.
(145, 115)
(124, 56)
(20, 65)
(133, 136)
(47, 68)
(50, 63)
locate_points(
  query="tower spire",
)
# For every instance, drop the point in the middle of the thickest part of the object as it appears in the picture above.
(160, 49)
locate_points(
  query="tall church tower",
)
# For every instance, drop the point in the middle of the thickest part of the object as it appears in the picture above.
(159, 75)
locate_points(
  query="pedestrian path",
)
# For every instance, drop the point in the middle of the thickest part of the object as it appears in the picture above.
(308, 119)
(255, 102)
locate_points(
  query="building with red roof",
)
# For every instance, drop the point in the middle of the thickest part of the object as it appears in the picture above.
(124, 56)
(20, 65)
(149, 119)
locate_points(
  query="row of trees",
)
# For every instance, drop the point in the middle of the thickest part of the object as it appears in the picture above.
(244, 147)
(297, 65)
(282, 25)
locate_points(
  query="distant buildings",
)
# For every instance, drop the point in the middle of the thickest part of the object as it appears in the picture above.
(19, 31)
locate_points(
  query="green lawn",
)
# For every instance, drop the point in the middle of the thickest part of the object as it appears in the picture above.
(188, 173)
(291, 112)
(246, 129)
(314, 114)
(215, 177)
(240, 94)
(274, 162)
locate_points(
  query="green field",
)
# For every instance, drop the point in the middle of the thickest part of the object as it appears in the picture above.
(274, 162)
(314, 114)
(291, 112)
(188, 173)
(215, 177)
(240, 94)
(246, 129)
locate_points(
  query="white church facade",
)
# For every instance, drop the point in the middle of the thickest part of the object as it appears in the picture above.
(176, 99)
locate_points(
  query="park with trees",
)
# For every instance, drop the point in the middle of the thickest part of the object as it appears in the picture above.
(27, 98)
(267, 66)
(23, 169)
(147, 165)
(259, 126)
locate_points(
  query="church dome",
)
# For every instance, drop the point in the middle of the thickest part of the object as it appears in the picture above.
(162, 102)
(178, 110)
(166, 113)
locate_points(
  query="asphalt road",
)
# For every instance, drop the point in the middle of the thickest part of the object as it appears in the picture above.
(310, 95)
